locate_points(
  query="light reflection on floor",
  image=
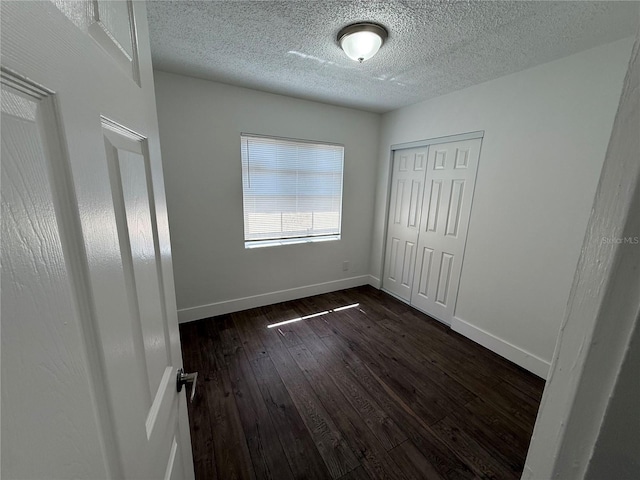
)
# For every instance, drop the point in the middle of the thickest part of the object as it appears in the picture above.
(338, 309)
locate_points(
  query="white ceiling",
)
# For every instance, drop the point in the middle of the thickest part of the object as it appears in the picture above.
(434, 47)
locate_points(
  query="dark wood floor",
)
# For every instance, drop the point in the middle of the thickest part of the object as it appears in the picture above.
(374, 391)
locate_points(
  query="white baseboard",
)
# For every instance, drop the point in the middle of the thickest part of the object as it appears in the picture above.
(503, 348)
(238, 304)
(375, 282)
(517, 355)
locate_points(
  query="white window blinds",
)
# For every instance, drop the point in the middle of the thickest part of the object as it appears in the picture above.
(292, 189)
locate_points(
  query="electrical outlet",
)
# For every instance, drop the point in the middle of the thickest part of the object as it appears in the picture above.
(345, 266)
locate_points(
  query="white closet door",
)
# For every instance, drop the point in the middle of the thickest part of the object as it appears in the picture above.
(404, 220)
(450, 181)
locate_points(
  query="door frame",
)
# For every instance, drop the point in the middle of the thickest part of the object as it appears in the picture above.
(417, 144)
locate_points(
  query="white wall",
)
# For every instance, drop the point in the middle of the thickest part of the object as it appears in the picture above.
(589, 409)
(546, 133)
(200, 125)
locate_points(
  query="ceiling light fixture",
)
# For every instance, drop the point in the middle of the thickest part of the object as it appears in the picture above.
(361, 41)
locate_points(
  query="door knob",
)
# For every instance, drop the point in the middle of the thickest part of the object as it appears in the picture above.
(187, 379)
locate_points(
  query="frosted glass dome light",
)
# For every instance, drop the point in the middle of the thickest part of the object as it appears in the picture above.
(361, 41)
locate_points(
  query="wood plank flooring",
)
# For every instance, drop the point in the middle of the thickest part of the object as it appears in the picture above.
(374, 391)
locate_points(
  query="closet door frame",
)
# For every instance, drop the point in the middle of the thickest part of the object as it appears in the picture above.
(417, 144)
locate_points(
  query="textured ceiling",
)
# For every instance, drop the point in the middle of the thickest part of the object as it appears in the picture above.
(289, 47)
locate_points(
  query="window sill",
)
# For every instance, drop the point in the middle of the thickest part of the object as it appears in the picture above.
(289, 241)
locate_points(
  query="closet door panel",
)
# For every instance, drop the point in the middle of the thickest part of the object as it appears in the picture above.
(405, 212)
(450, 181)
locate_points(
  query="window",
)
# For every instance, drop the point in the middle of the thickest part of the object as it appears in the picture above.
(291, 189)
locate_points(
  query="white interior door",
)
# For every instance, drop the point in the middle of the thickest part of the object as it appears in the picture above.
(450, 181)
(408, 173)
(90, 345)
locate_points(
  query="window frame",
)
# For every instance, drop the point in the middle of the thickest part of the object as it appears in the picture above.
(280, 241)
